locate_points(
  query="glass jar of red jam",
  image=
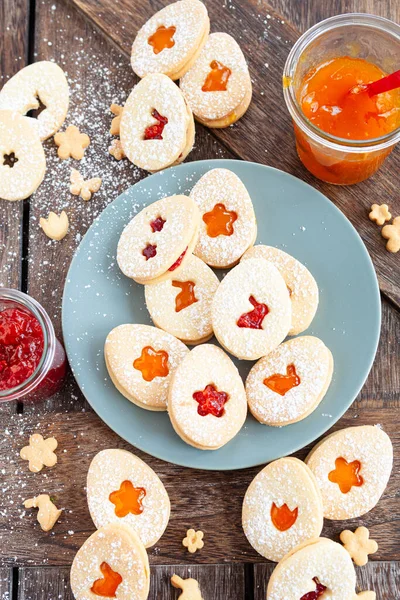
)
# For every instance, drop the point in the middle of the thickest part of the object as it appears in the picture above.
(32, 360)
(341, 137)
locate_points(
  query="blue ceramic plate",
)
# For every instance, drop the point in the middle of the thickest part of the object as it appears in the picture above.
(292, 216)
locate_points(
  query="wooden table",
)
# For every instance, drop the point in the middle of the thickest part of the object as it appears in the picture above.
(91, 40)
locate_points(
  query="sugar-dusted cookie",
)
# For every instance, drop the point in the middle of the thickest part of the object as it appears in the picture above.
(181, 305)
(112, 563)
(141, 360)
(44, 82)
(218, 86)
(352, 467)
(121, 488)
(282, 508)
(158, 241)
(171, 40)
(310, 569)
(288, 384)
(206, 399)
(22, 159)
(251, 311)
(303, 289)
(228, 223)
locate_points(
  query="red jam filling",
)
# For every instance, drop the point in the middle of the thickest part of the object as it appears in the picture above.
(317, 593)
(346, 475)
(211, 402)
(107, 586)
(254, 318)
(217, 79)
(152, 363)
(282, 517)
(157, 224)
(178, 261)
(150, 251)
(186, 296)
(281, 384)
(127, 499)
(219, 221)
(154, 132)
(162, 38)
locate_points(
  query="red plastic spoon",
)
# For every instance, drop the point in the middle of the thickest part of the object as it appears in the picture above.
(386, 84)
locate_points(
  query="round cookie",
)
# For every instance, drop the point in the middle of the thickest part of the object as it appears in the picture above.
(44, 82)
(121, 488)
(157, 128)
(22, 159)
(182, 305)
(206, 399)
(282, 508)
(288, 384)
(171, 40)
(218, 86)
(228, 223)
(301, 284)
(158, 241)
(251, 311)
(352, 468)
(112, 563)
(141, 360)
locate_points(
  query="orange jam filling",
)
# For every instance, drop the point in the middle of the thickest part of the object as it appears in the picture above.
(162, 38)
(107, 586)
(317, 593)
(217, 79)
(282, 517)
(254, 318)
(219, 221)
(127, 499)
(154, 132)
(152, 363)
(281, 384)
(186, 296)
(346, 475)
(211, 401)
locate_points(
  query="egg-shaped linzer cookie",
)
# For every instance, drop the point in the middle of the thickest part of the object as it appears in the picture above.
(228, 223)
(171, 40)
(141, 361)
(303, 289)
(181, 305)
(352, 468)
(121, 488)
(112, 563)
(282, 508)
(251, 311)
(218, 85)
(158, 241)
(206, 399)
(22, 159)
(315, 566)
(288, 384)
(41, 82)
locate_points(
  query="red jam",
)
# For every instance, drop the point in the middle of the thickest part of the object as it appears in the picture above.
(282, 517)
(157, 224)
(107, 586)
(346, 475)
(255, 317)
(317, 593)
(154, 132)
(178, 261)
(282, 384)
(127, 499)
(211, 402)
(150, 251)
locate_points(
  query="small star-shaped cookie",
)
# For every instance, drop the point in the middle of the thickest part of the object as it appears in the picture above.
(116, 150)
(358, 545)
(115, 123)
(55, 226)
(190, 587)
(392, 234)
(82, 188)
(193, 540)
(71, 142)
(40, 452)
(380, 213)
(48, 513)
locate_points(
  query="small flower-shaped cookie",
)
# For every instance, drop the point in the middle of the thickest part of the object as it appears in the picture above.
(115, 123)
(116, 150)
(82, 188)
(190, 587)
(71, 142)
(392, 234)
(40, 452)
(358, 545)
(380, 213)
(48, 513)
(193, 540)
(55, 226)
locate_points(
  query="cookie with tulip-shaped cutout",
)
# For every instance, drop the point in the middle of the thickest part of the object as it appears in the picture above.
(288, 384)
(218, 86)
(141, 360)
(352, 468)
(228, 223)
(171, 40)
(282, 508)
(251, 310)
(206, 399)
(303, 289)
(158, 241)
(121, 488)
(112, 563)
(182, 305)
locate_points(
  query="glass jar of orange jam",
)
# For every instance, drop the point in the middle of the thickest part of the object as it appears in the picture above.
(342, 134)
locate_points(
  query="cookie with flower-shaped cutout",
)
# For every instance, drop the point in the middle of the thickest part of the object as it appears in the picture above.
(171, 40)
(206, 399)
(157, 126)
(218, 86)
(181, 305)
(228, 223)
(303, 289)
(282, 508)
(159, 240)
(251, 310)
(141, 361)
(112, 563)
(288, 384)
(121, 488)
(352, 467)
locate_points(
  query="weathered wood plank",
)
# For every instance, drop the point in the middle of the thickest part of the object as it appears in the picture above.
(6, 583)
